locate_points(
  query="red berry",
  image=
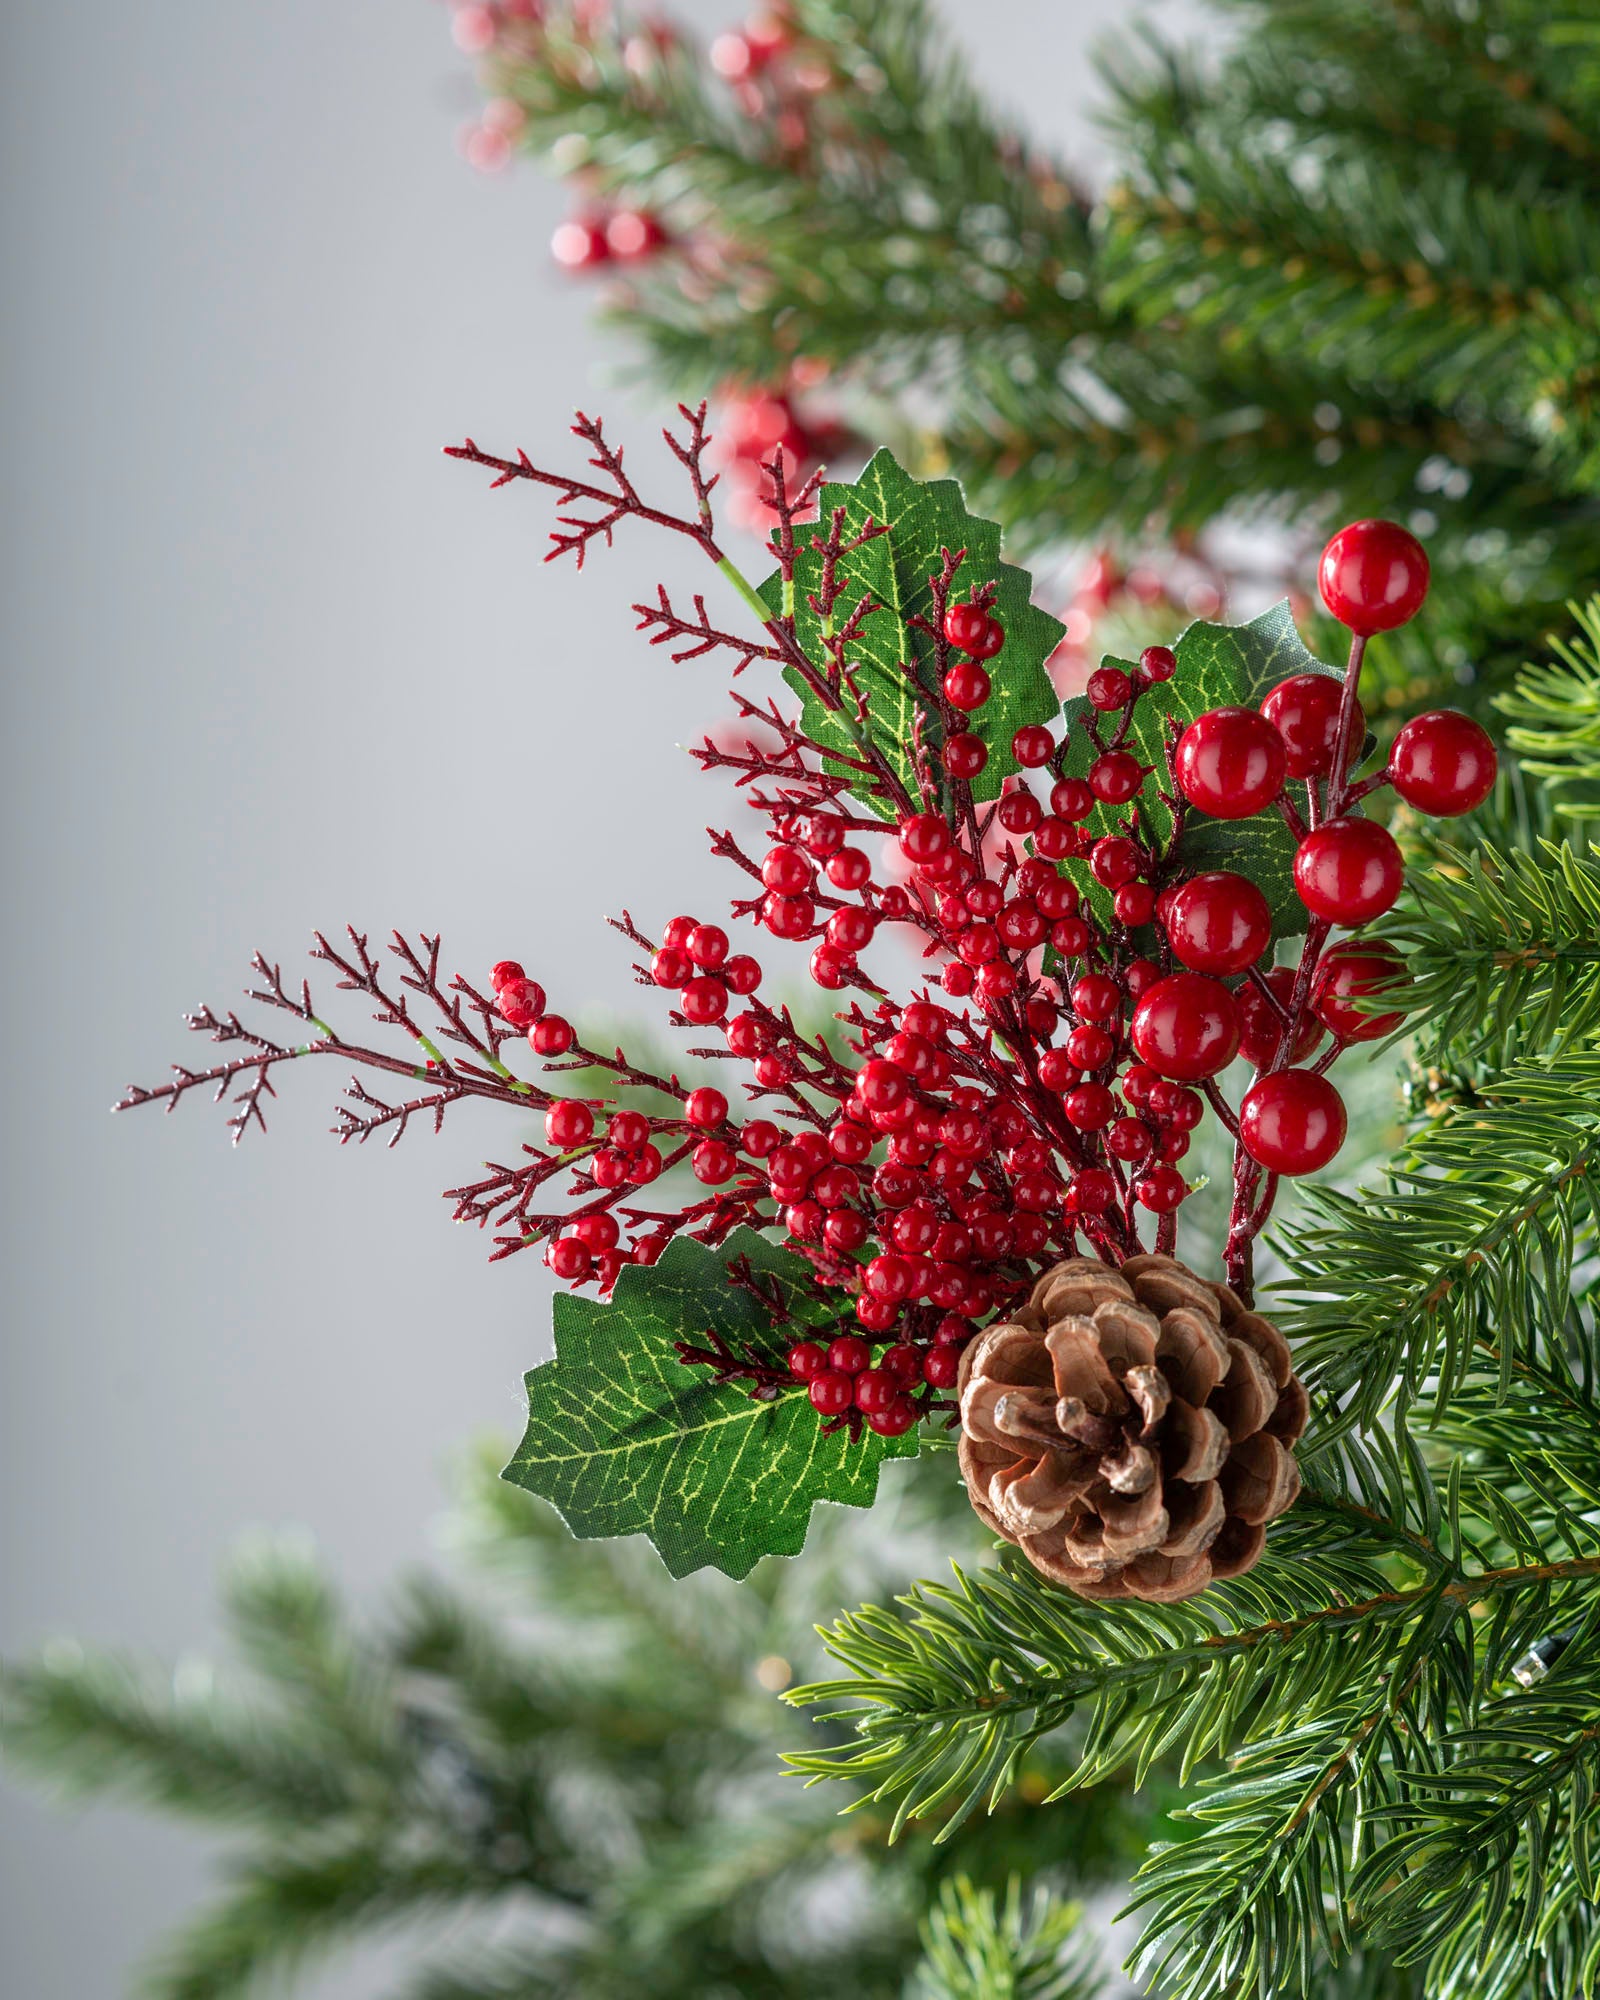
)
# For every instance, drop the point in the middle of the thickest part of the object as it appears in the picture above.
(1072, 798)
(823, 836)
(807, 1359)
(1351, 972)
(1089, 1106)
(1138, 1083)
(1158, 663)
(1373, 576)
(876, 1315)
(707, 945)
(1161, 1190)
(1020, 812)
(848, 1354)
(704, 1001)
(1177, 1106)
(1057, 1070)
(627, 1129)
(1443, 763)
(1134, 904)
(966, 685)
(887, 1277)
(1092, 1192)
(569, 1258)
(831, 1393)
(1089, 1046)
(849, 868)
(760, 1138)
(705, 1107)
(989, 641)
(924, 837)
(1115, 777)
(599, 1230)
(1108, 688)
(504, 972)
(521, 1002)
(964, 626)
(1020, 926)
(957, 980)
(1305, 712)
(803, 1220)
(1261, 1025)
(789, 916)
(896, 1420)
(1070, 937)
(670, 967)
(568, 1123)
(1115, 860)
(1056, 897)
(1292, 1122)
(1095, 997)
(1230, 763)
(1129, 1139)
(1032, 745)
(786, 871)
(941, 1367)
(964, 755)
(676, 935)
(875, 1389)
(830, 968)
(845, 1229)
(1140, 974)
(1055, 839)
(1186, 1026)
(1348, 871)
(552, 1036)
(713, 1162)
(1219, 922)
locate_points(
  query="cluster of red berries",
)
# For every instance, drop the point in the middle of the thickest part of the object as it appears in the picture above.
(1042, 1099)
(597, 236)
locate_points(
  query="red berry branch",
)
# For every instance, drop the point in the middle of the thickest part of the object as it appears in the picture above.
(1034, 1096)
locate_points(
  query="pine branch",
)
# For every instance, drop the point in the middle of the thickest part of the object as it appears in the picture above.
(1554, 711)
(1503, 949)
(978, 1945)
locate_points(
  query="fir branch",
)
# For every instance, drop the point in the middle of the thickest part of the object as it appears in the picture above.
(978, 1945)
(1554, 712)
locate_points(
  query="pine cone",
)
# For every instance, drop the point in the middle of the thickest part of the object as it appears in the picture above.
(1130, 1429)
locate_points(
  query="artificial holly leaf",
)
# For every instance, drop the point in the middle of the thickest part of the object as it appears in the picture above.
(1219, 666)
(894, 658)
(623, 1438)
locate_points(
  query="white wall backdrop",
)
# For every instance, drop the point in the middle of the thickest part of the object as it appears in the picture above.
(271, 663)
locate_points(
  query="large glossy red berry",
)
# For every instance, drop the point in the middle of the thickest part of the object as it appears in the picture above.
(1115, 777)
(1351, 972)
(1230, 763)
(789, 916)
(704, 1001)
(705, 1107)
(521, 1002)
(786, 871)
(1305, 712)
(1348, 871)
(964, 754)
(552, 1036)
(1158, 663)
(569, 1258)
(713, 1162)
(924, 837)
(1373, 576)
(966, 685)
(1219, 923)
(849, 868)
(708, 946)
(568, 1123)
(1032, 745)
(1443, 763)
(1115, 860)
(1261, 1025)
(1186, 1026)
(1292, 1122)
(1020, 812)
(964, 626)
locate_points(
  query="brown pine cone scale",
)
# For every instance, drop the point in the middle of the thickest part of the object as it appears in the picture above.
(1131, 1429)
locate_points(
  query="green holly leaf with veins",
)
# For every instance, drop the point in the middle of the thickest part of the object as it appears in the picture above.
(1219, 666)
(895, 661)
(623, 1438)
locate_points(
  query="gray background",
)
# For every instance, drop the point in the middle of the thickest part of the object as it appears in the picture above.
(270, 663)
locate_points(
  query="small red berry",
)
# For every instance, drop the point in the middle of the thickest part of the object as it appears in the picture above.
(552, 1036)
(1108, 688)
(599, 1229)
(1443, 763)
(1230, 763)
(807, 1359)
(1134, 904)
(1292, 1122)
(1158, 663)
(1187, 1026)
(760, 1138)
(989, 641)
(670, 967)
(1219, 922)
(966, 685)
(1129, 1139)
(1072, 798)
(875, 1389)
(823, 836)
(1138, 1082)
(1057, 1070)
(627, 1129)
(1161, 1190)
(521, 1002)
(804, 1220)
(708, 945)
(568, 1123)
(1373, 576)
(1089, 1106)
(1305, 712)
(848, 1354)
(1089, 1046)
(845, 1229)
(504, 972)
(1115, 777)
(1032, 745)
(1020, 812)
(941, 1367)
(957, 980)
(831, 1393)
(1095, 997)
(830, 967)
(789, 916)
(1070, 937)
(1176, 1105)
(570, 1258)
(1348, 871)
(1351, 972)
(1115, 860)
(1055, 839)
(964, 626)
(924, 837)
(713, 1162)
(1261, 1025)
(1092, 1192)
(964, 755)
(741, 974)
(1056, 897)
(1020, 926)
(786, 871)
(705, 1107)
(896, 1420)
(676, 935)
(903, 1362)
(849, 868)
(704, 1001)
